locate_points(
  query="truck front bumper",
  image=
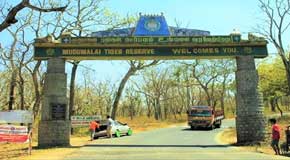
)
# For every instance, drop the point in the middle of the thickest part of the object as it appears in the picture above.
(201, 123)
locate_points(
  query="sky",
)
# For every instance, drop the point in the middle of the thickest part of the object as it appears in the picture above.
(219, 17)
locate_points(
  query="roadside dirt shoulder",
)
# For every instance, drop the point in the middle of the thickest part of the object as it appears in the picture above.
(19, 152)
(228, 137)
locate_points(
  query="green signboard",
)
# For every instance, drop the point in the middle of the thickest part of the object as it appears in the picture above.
(153, 40)
(116, 48)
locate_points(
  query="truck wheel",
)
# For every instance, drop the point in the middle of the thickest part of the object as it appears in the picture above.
(211, 127)
(219, 124)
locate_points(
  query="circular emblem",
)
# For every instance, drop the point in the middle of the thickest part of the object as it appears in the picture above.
(50, 52)
(248, 50)
(65, 40)
(152, 25)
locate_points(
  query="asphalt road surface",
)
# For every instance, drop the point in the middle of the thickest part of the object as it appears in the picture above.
(174, 143)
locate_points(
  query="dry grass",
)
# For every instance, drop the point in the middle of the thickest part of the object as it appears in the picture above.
(144, 123)
(19, 151)
(229, 137)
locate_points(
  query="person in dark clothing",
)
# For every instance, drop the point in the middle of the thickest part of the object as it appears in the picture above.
(98, 126)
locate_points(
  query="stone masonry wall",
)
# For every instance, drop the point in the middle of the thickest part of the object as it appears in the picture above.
(52, 131)
(250, 120)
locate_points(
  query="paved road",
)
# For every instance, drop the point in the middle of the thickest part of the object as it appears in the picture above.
(175, 143)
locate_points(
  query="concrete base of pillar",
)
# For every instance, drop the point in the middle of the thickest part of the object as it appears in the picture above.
(250, 128)
(54, 133)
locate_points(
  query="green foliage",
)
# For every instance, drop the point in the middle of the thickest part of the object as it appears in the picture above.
(273, 81)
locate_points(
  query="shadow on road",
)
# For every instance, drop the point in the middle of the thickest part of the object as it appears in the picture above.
(159, 146)
(51, 147)
(196, 129)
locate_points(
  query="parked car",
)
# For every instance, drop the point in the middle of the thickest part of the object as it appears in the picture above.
(118, 129)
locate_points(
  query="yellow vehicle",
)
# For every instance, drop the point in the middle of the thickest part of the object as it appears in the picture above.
(205, 117)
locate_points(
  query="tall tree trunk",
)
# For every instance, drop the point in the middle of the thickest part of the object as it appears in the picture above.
(156, 114)
(159, 109)
(148, 106)
(212, 97)
(188, 97)
(12, 89)
(131, 111)
(208, 98)
(134, 67)
(277, 105)
(21, 89)
(130, 72)
(166, 111)
(287, 68)
(222, 99)
(273, 104)
(21, 79)
(108, 107)
(37, 90)
(200, 100)
(72, 88)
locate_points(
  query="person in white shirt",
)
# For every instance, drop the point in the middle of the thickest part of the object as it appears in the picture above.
(109, 126)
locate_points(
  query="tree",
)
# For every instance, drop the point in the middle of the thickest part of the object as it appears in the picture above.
(205, 75)
(273, 82)
(14, 58)
(103, 92)
(227, 69)
(132, 103)
(181, 75)
(206, 82)
(12, 12)
(156, 86)
(276, 27)
(135, 66)
(20, 57)
(80, 19)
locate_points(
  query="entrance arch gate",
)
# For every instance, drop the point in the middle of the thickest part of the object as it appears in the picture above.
(151, 40)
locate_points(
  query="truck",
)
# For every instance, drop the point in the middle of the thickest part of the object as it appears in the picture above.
(205, 117)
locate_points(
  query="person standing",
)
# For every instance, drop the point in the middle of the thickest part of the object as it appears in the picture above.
(93, 126)
(98, 125)
(109, 126)
(275, 136)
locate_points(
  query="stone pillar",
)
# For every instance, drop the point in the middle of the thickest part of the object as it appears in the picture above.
(54, 125)
(250, 121)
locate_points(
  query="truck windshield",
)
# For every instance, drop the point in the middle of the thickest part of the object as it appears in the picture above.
(201, 113)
